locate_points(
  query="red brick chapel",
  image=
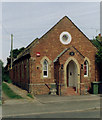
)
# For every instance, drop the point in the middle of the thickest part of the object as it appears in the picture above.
(61, 62)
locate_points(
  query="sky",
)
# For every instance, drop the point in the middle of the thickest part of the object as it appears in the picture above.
(29, 20)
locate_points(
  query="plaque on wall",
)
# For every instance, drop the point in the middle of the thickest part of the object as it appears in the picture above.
(72, 53)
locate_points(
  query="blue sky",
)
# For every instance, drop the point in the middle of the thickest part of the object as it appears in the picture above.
(29, 20)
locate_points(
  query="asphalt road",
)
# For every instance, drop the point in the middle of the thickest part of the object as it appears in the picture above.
(64, 114)
(56, 109)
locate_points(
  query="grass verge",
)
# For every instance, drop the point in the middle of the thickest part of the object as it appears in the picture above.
(7, 90)
(29, 95)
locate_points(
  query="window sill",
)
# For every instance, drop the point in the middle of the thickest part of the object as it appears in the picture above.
(85, 75)
(45, 76)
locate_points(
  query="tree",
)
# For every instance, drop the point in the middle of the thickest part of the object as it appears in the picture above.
(99, 61)
(4, 74)
(16, 52)
(97, 42)
(1, 64)
(98, 58)
(1, 69)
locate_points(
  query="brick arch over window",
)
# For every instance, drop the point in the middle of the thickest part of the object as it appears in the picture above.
(78, 69)
(45, 58)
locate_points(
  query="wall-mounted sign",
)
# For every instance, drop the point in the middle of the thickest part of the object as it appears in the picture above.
(72, 53)
(38, 54)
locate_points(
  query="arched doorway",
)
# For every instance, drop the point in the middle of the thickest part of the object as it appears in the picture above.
(72, 73)
(74, 62)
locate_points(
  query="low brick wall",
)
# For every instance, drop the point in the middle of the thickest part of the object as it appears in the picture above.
(40, 88)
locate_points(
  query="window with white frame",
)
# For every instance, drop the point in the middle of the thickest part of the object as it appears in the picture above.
(65, 38)
(86, 68)
(45, 68)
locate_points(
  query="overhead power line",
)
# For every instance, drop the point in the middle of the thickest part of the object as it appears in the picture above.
(17, 37)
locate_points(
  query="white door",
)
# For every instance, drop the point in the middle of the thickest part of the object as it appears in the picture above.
(72, 74)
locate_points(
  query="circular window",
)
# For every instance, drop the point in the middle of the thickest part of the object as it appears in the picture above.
(65, 38)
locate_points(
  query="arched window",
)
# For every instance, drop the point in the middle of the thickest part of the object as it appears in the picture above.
(45, 68)
(86, 68)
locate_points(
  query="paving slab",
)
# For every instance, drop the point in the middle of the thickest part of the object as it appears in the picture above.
(18, 101)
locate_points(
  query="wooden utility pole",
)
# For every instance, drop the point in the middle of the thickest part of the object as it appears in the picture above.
(11, 50)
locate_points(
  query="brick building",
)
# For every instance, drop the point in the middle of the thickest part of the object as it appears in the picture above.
(62, 61)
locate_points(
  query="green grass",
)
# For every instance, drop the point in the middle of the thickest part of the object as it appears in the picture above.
(29, 95)
(9, 81)
(6, 89)
(0, 102)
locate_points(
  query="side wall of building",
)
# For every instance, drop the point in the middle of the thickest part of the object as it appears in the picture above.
(19, 74)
